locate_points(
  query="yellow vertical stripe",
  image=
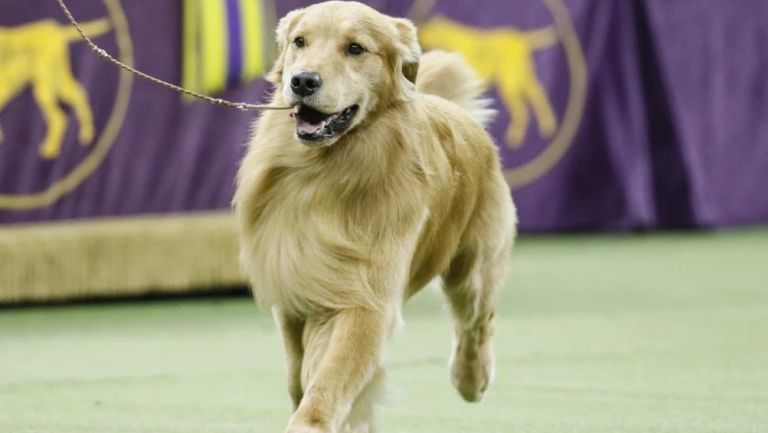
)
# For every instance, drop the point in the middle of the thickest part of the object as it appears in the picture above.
(253, 45)
(190, 28)
(214, 44)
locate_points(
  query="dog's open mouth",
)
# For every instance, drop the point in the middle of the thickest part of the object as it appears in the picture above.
(313, 125)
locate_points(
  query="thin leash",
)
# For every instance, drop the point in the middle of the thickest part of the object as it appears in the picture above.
(105, 55)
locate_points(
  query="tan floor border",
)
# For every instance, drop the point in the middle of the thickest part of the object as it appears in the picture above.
(118, 257)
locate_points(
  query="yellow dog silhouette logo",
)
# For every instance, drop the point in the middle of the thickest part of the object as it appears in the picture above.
(503, 56)
(37, 55)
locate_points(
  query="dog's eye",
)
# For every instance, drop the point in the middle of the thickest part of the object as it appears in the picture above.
(299, 42)
(355, 49)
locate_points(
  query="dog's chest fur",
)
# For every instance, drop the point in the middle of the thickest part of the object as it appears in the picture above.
(317, 229)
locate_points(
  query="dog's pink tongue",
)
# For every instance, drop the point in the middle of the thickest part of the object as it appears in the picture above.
(306, 127)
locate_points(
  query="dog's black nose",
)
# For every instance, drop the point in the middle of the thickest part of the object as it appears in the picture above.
(305, 83)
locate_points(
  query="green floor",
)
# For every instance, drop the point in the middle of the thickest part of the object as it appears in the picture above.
(596, 334)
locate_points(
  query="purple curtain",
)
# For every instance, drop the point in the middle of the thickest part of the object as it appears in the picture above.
(619, 115)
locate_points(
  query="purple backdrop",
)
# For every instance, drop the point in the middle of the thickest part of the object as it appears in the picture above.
(661, 111)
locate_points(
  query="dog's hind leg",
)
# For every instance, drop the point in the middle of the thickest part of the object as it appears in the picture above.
(470, 295)
(470, 284)
(542, 109)
(518, 112)
(56, 121)
(7, 91)
(73, 94)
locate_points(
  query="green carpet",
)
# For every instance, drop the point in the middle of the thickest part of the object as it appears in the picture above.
(662, 333)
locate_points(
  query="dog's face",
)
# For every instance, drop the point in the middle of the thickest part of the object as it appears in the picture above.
(339, 63)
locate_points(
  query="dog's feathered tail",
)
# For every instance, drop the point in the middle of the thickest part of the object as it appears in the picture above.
(448, 76)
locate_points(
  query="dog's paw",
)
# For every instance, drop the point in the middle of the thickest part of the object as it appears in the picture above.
(86, 134)
(307, 425)
(472, 369)
(49, 150)
(304, 429)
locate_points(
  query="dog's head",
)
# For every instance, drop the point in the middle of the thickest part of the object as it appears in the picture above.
(339, 64)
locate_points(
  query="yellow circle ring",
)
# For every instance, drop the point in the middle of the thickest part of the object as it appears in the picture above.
(85, 169)
(577, 96)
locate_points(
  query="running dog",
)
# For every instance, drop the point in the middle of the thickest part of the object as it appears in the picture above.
(381, 180)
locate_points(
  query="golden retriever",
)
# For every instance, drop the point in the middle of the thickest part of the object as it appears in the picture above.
(381, 179)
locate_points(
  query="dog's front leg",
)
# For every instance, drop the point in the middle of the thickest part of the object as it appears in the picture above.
(351, 360)
(292, 330)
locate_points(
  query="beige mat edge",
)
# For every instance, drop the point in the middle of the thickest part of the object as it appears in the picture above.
(118, 257)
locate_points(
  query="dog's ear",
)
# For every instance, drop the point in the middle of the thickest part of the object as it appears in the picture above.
(284, 27)
(408, 52)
